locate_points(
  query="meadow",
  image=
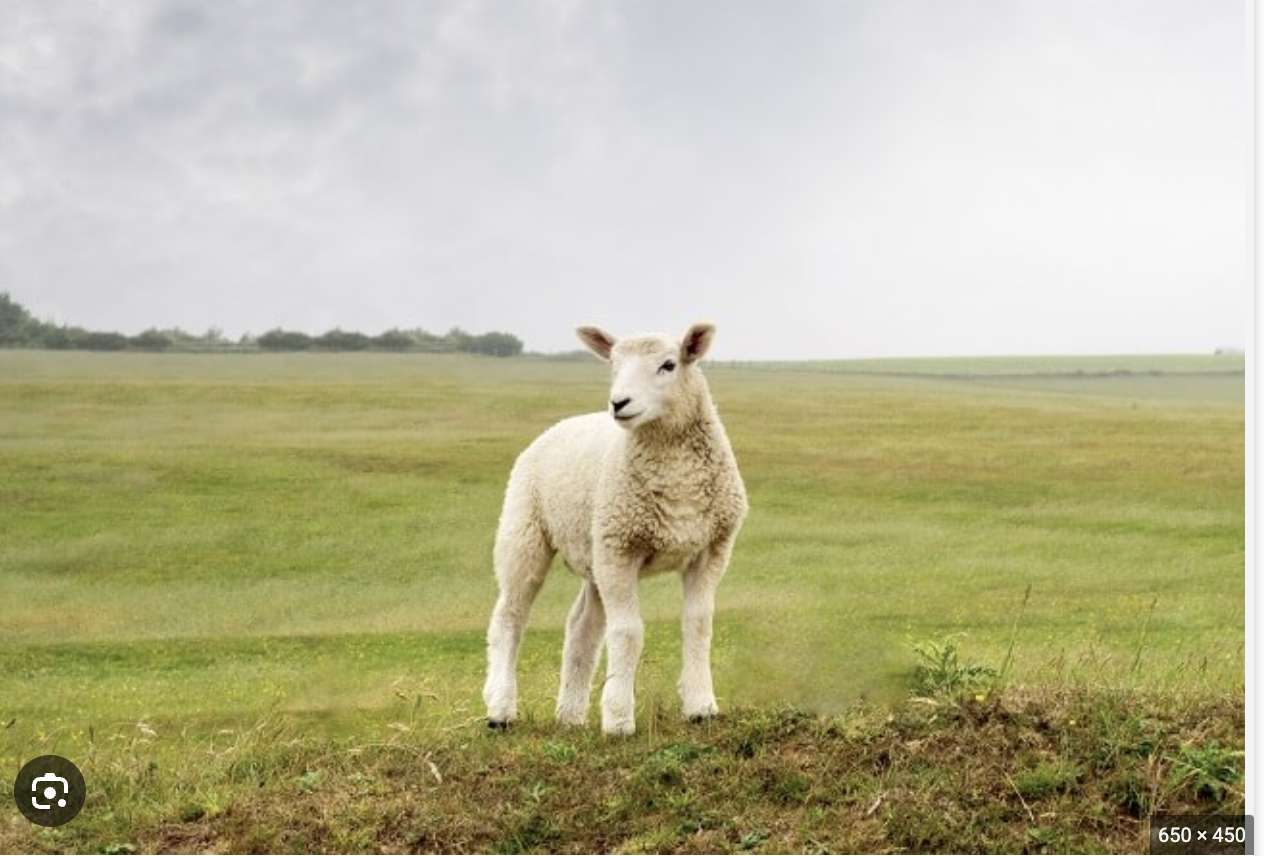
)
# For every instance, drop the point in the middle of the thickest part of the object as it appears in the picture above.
(208, 555)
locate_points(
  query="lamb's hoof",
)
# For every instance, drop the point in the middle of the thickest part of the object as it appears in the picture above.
(621, 728)
(701, 712)
(498, 724)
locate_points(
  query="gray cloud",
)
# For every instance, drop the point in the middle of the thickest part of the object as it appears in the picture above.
(822, 179)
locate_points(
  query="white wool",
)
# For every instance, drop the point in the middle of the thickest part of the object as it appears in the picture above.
(649, 485)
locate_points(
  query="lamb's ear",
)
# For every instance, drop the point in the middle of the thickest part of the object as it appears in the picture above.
(596, 340)
(696, 342)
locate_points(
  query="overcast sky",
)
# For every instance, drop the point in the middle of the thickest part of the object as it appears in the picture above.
(824, 179)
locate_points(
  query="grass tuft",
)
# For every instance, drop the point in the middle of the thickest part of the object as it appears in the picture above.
(1208, 771)
(940, 671)
(1047, 778)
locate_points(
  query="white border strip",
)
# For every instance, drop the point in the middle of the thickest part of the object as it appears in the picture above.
(1252, 612)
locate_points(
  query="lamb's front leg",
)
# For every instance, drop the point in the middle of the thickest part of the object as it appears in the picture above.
(625, 635)
(701, 579)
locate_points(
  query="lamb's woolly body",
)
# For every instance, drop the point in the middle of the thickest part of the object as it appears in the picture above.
(585, 480)
(617, 504)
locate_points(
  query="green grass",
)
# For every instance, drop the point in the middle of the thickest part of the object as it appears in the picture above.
(201, 544)
(1091, 365)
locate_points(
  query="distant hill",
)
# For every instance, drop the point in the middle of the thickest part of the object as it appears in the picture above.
(1022, 366)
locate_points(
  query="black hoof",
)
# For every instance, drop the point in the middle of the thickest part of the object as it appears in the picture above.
(498, 724)
(701, 718)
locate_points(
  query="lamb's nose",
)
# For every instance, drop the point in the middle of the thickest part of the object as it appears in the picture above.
(619, 403)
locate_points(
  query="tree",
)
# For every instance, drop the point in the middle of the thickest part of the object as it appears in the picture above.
(342, 340)
(496, 344)
(15, 322)
(393, 340)
(91, 340)
(424, 340)
(457, 339)
(151, 340)
(284, 340)
(58, 338)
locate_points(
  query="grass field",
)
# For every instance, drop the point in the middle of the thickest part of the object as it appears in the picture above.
(197, 550)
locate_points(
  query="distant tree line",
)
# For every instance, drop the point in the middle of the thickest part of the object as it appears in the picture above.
(18, 328)
(417, 339)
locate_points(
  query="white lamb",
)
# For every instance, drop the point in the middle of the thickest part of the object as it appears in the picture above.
(649, 485)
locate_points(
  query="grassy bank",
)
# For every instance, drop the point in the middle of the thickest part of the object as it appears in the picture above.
(1011, 772)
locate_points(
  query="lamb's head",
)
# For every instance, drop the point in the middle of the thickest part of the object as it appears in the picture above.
(654, 378)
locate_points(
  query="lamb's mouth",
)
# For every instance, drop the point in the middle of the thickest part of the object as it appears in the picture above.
(627, 417)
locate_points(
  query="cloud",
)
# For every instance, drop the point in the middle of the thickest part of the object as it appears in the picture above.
(824, 179)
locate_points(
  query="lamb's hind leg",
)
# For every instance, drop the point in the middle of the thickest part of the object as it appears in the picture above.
(700, 581)
(585, 627)
(522, 556)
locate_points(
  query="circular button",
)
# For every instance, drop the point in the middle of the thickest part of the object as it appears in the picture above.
(49, 790)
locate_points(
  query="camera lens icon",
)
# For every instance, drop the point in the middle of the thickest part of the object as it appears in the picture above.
(49, 791)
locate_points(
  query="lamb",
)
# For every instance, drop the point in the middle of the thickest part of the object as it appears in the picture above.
(649, 485)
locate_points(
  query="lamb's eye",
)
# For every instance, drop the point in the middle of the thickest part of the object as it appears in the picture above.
(666, 367)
